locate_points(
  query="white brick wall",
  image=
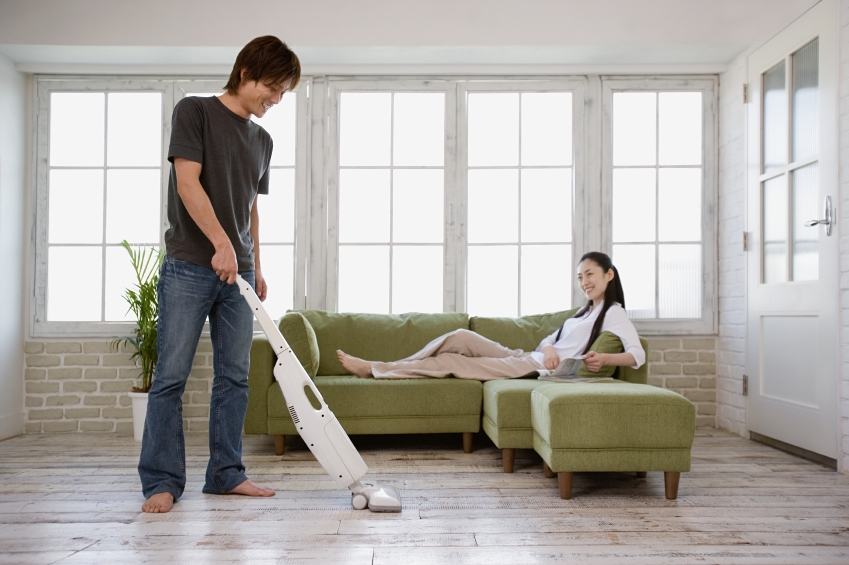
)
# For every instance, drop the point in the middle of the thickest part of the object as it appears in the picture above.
(687, 365)
(843, 220)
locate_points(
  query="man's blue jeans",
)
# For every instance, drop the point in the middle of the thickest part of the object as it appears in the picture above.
(188, 293)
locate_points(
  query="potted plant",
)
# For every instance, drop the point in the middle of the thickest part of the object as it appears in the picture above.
(144, 303)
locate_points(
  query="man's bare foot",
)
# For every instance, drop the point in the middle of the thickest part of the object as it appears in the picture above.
(354, 365)
(159, 503)
(248, 488)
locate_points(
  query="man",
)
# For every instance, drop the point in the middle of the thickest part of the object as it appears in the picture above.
(220, 163)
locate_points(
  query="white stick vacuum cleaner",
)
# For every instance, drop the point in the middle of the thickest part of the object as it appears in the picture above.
(319, 428)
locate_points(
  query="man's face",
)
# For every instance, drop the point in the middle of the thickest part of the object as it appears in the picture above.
(257, 97)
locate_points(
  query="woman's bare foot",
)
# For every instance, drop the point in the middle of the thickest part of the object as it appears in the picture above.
(354, 365)
(248, 488)
(159, 503)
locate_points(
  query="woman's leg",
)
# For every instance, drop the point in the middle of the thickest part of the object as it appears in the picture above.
(459, 365)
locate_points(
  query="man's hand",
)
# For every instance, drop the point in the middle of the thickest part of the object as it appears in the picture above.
(261, 285)
(224, 262)
(594, 361)
(551, 359)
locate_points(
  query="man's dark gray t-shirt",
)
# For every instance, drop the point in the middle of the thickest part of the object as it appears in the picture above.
(234, 153)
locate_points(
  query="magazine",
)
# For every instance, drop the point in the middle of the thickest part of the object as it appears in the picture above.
(567, 372)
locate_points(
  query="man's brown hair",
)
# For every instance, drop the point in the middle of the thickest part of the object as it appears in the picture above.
(267, 60)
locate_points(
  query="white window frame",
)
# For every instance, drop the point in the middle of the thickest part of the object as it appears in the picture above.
(708, 323)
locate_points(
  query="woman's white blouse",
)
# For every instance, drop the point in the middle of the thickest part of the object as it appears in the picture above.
(576, 332)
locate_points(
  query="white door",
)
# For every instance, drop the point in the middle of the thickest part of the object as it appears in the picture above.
(792, 348)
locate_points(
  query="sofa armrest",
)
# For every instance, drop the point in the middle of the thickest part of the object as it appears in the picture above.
(639, 376)
(260, 378)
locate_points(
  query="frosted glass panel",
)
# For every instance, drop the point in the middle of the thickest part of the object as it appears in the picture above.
(278, 267)
(419, 129)
(547, 128)
(774, 118)
(636, 267)
(806, 101)
(633, 205)
(76, 206)
(365, 129)
(119, 277)
(277, 208)
(634, 128)
(807, 205)
(493, 206)
(493, 129)
(680, 281)
(364, 279)
(132, 205)
(281, 123)
(416, 279)
(680, 205)
(134, 129)
(364, 206)
(74, 284)
(546, 205)
(680, 123)
(418, 206)
(547, 274)
(775, 230)
(493, 280)
(77, 129)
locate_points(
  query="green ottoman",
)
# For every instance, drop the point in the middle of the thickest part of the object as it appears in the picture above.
(612, 427)
(507, 415)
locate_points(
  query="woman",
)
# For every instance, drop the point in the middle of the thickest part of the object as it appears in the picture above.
(468, 355)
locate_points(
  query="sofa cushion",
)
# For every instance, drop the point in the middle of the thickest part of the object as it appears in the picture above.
(507, 412)
(523, 333)
(376, 337)
(301, 338)
(606, 342)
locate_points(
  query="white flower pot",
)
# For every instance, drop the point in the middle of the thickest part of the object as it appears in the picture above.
(139, 413)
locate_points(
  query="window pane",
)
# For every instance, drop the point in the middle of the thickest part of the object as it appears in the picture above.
(76, 129)
(277, 208)
(634, 125)
(680, 205)
(775, 230)
(680, 280)
(419, 129)
(134, 129)
(636, 267)
(493, 280)
(365, 129)
(493, 129)
(75, 206)
(416, 279)
(680, 128)
(547, 274)
(546, 205)
(806, 101)
(806, 206)
(364, 279)
(278, 267)
(364, 206)
(119, 277)
(774, 118)
(72, 297)
(132, 205)
(547, 128)
(281, 124)
(633, 205)
(418, 206)
(493, 203)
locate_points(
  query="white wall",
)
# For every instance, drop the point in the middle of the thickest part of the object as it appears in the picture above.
(843, 230)
(13, 112)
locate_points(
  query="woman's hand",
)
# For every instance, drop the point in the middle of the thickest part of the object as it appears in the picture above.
(594, 361)
(551, 359)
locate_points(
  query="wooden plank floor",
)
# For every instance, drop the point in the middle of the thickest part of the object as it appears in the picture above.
(75, 499)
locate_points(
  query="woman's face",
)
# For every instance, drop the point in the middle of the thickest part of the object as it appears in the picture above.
(593, 280)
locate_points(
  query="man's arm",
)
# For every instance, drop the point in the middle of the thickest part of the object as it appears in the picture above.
(259, 280)
(200, 209)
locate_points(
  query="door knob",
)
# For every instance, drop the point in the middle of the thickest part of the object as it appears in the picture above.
(827, 222)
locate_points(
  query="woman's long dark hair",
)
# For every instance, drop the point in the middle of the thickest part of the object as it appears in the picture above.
(612, 294)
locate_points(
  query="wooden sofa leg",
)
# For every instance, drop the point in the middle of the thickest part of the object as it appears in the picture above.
(641, 474)
(549, 474)
(670, 481)
(279, 444)
(564, 482)
(508, 455)
(467, 441)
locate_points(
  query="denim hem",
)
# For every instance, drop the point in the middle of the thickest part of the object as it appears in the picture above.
(230, 486)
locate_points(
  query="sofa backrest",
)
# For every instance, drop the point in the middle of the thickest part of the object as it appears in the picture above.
(376, 337)
(520, 333)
